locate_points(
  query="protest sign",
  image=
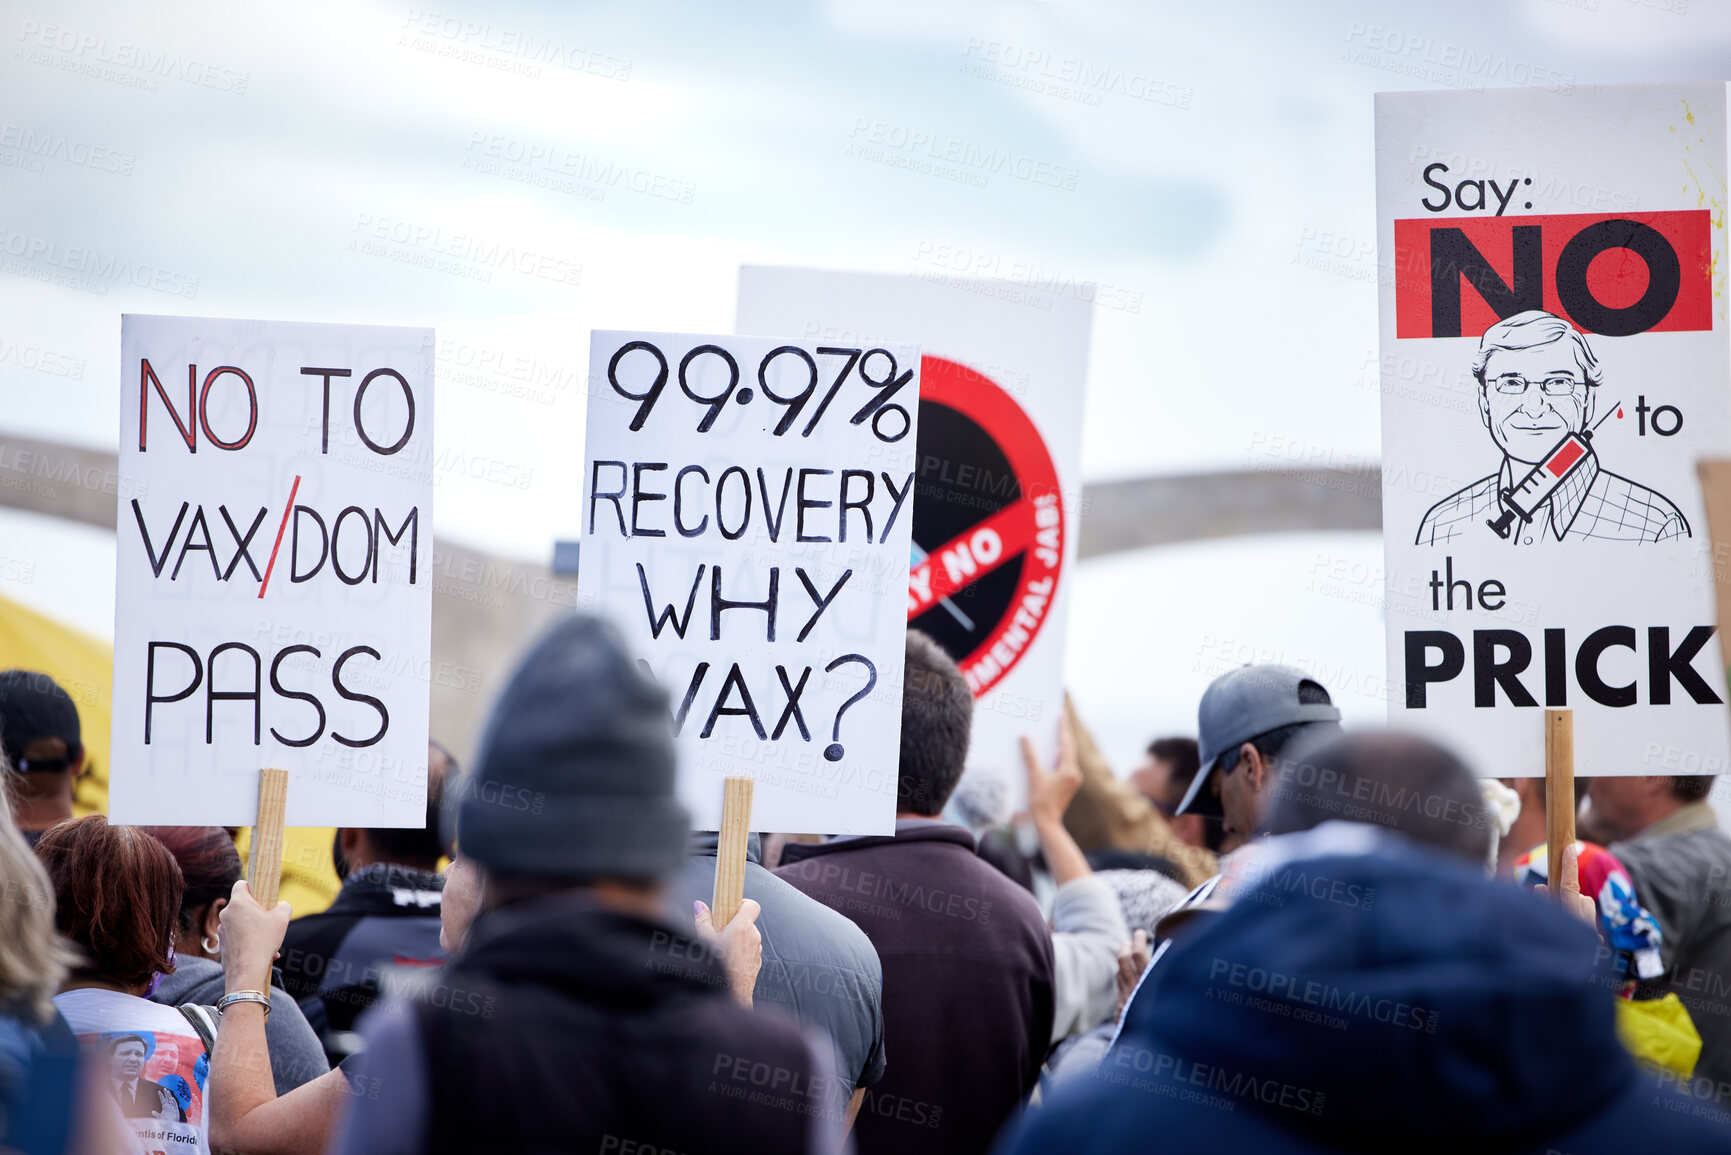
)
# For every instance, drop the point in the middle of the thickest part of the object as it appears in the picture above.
(997, 496)
(745, 524)
(273, 571)
(1554, 285)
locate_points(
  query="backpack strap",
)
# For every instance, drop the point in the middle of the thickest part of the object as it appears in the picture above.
(204, 1021)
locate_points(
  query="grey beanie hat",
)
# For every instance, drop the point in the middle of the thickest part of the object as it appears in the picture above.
(576, 767)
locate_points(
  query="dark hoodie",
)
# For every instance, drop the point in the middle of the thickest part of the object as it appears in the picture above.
(332, 962)
(1396, 1001)
(967, 964)
(563, 1026)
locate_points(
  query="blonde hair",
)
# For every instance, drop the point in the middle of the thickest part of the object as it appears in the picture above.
(34, 959)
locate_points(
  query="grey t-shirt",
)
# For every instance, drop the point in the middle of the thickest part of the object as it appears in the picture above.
(295, 1054)
(817, 965)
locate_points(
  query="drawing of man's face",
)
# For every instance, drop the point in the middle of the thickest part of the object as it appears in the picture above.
(127, 1060)
(1531, 397)
(165, 1060)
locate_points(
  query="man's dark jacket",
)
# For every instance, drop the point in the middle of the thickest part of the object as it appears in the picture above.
(1391, 1002)
(385, 915)
(967, 962)
(563, 1026)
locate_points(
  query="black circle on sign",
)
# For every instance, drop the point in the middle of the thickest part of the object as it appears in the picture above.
(961, 477)
(1664, 277)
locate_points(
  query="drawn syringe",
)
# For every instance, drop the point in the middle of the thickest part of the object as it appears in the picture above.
(1566, 458)
(919, 555)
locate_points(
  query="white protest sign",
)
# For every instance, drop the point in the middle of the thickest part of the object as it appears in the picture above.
(997, 496)
(745, 524)
(273, 572)
(1554, 362)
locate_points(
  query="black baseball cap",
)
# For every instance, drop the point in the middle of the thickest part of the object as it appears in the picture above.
(32, 707)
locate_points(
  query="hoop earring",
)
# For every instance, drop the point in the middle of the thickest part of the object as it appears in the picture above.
(212, 946)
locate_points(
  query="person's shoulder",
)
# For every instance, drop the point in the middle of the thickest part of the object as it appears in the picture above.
(307, 925)
(1688, 860)
(95, 1011)
(1708, 852)
(1085, 1109)
(397, 1033)
(767, 1033)
(803, 864)
(1006, 907)
(195, 980)
(72, 1006)
(803, 926)
(406, 937)
(696, 873)
(794, 874)
(813, 869)
(1001, 886)
(17, 1040)
(1118, 1111)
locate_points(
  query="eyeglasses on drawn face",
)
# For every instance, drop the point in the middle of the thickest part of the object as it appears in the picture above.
(1556, 385)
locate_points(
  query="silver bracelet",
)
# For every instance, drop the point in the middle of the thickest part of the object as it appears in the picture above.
(229, 1000)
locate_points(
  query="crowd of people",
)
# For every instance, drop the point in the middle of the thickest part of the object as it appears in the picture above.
(1276, 935)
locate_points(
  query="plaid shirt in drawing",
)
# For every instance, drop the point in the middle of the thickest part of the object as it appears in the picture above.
(1594, 503)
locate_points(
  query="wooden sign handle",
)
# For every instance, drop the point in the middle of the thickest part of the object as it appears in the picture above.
(730, 851)
(1559, 792)
(264, 863)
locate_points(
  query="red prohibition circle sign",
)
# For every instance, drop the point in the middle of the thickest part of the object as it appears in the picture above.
(1027, 528)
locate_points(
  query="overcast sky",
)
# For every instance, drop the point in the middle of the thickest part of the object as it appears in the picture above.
(1209, 165)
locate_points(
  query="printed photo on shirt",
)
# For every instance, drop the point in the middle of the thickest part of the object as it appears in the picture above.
(158, 1081)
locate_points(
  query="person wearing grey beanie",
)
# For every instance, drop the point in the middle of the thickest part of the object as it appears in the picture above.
(575, 774)
(573, 1016)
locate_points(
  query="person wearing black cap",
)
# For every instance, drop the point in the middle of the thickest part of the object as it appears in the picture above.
(44, 748)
